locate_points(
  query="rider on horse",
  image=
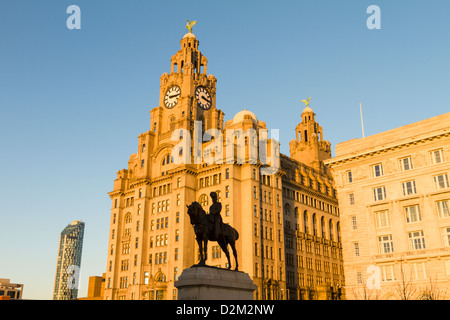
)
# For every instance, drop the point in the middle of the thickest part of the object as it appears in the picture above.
(214, 210)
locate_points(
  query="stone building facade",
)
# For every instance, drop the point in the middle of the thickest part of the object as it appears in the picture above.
(394, 197)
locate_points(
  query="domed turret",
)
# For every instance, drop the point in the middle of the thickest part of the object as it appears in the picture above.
(245, 114)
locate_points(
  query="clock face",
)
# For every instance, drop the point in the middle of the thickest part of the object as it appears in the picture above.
(203, 98)
(172, 96)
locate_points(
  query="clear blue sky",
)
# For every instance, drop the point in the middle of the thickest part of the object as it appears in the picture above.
(72, 102)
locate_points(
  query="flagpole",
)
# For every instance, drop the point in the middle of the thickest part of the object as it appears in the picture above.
(362, 123)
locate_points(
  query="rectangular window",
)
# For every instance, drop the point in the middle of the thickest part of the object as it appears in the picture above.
(351, 199)
(441, 181)
(382, 218)
(356, 249)
(359, 277)
(447, 267)
(416, 240)
(142, 163)
(409, 187)
(443, 208)
(377, 170)
(354, 225)
(387, 273)
(227, 173)
(419, 270)
(412, 214)
(385, 244)
(406, 164)
(379, 193)
(446, 236)
(437, 156)
(349, 176)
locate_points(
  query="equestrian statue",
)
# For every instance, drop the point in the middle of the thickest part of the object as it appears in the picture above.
(209, 227)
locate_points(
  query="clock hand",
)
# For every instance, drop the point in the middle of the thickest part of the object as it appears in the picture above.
(204, 98)
(175, 95)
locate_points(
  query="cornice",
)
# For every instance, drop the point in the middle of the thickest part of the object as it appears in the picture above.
(310, 191)
(355, 156)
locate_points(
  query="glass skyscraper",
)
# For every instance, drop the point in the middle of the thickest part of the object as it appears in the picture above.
(69, 262)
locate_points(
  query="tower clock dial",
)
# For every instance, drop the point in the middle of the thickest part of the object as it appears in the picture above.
(172, 96)
(203, 98)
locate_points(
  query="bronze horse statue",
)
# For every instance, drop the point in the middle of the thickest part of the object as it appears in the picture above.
(203, 225)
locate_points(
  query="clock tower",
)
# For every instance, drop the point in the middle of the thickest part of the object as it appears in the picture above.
(187, 94)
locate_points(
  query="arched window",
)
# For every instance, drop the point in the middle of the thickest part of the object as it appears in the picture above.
(219, 194)
(322, 223)
(160, 277)
(314, 221)
(167, 159)
(128, 218)
(330, 226)
(338, 231)
(305, 221)
(203, 200)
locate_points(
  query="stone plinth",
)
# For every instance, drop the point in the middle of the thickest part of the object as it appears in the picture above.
(208, 283)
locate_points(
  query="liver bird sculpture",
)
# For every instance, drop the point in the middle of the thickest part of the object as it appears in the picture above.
(189, 25)
(306, 101)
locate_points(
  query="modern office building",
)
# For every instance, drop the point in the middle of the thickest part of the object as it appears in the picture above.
(284, 208)
(394, 197)
(69, 262)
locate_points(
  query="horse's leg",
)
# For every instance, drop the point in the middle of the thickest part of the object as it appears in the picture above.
(224, 246)
(232, 243)
(200, 249)
(205, 245)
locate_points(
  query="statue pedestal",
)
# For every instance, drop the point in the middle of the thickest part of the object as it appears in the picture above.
(209, 283)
